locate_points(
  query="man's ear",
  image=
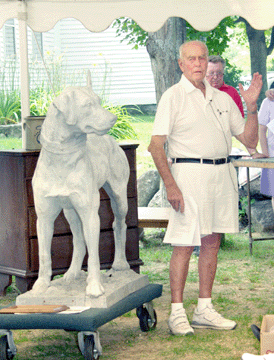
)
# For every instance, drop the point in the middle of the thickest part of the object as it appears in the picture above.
(180, 62)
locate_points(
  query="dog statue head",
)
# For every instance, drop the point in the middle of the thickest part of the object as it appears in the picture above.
(79, 106)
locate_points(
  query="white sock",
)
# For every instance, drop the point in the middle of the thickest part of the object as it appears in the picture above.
(176, 306)
(203, 302)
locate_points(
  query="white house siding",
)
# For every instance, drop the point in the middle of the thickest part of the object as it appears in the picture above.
(9, 71)
(129, 79)
(120, 74)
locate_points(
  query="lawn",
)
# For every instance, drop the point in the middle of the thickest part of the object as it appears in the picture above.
(243, 291)
(10, 143)
(143, 129)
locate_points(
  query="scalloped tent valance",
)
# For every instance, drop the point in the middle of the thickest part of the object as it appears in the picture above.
(97, 15)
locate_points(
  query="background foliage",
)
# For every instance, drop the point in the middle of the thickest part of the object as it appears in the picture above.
(42, 96)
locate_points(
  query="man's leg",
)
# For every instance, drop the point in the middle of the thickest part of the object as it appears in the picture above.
(179, 263)
(178, 271)
(208, 263)
(205, 316)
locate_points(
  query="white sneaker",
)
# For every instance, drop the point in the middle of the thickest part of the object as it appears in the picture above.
(258, 357)
(178, 323)
(210, 319)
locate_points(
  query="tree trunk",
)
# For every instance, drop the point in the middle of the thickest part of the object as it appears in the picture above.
(163, 49)
(258, 55)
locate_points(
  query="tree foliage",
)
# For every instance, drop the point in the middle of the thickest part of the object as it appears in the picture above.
(131, 32)
(232, 75)
(261, 45)
(216, 39)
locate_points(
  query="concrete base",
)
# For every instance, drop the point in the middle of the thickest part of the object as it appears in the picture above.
(117, 284)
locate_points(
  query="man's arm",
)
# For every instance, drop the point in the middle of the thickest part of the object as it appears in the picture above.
(250, 135)
(174, 194)
(263, 139)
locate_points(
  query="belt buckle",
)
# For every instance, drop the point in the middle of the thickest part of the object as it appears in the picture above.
(214, 161)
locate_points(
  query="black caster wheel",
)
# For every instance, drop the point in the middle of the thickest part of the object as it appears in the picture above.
(5, 353)
(256, 331)
(146, 321)
(90, 351)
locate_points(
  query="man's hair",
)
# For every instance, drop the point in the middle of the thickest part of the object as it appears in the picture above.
(187, 43)
(215, 59)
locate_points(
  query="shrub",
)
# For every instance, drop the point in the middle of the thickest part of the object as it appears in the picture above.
(122, 129)
(10, 107)
(40, 100)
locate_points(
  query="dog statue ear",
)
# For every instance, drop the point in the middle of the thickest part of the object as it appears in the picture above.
(63, 104)
(89, 79)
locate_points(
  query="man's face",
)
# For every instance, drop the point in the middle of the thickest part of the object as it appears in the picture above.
(215, 74)
(194, 63)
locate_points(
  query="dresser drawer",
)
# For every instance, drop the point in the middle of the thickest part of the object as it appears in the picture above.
(61, 225)
(62, 248)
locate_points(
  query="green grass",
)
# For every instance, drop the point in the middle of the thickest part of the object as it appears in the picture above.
(143, 130)
(10, 143)
(240, 299)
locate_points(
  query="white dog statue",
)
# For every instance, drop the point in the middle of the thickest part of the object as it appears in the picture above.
(77, 159)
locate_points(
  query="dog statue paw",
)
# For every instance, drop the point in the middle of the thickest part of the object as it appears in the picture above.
(40, 286)
(94, 289)
(120, 265)
(71, 275)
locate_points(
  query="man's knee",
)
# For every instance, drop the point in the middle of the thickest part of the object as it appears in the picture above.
(182, 253)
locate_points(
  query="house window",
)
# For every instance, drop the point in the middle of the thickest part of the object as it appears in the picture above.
(10, 48)
(37, 41)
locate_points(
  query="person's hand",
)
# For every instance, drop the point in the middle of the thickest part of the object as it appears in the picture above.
(251, 95)
(258, 155)
(175, 198)
(270, 94)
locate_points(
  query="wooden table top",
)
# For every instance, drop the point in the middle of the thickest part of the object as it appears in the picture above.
(150, 217)
(267, 163)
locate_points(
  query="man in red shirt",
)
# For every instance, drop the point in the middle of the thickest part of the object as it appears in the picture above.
(215, 76)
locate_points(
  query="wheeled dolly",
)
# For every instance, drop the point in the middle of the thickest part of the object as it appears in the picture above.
(86, 322)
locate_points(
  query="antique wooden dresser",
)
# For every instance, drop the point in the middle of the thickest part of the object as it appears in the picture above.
(18, 237)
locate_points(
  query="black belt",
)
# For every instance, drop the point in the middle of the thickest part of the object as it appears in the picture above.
(201, 161)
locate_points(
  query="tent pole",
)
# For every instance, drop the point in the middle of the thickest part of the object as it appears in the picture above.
(24, 68)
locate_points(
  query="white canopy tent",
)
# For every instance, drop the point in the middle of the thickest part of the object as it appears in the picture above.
(97, 15)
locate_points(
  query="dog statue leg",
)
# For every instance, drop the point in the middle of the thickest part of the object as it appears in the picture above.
(79, 246)
(45, 228)
(120, 262)
(91, 227)
(120, 208)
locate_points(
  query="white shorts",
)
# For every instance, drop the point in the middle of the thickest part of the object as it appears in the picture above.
(211, 203)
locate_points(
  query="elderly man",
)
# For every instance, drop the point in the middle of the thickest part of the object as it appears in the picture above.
(197, 121)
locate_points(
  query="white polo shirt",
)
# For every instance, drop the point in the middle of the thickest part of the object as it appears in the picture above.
(197, 126)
